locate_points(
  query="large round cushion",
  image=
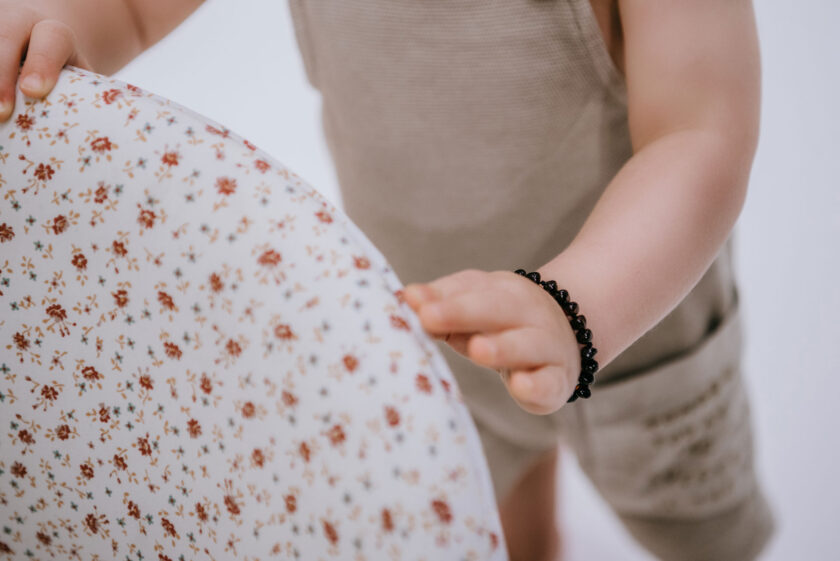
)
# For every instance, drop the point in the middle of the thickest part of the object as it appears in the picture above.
(202, 358)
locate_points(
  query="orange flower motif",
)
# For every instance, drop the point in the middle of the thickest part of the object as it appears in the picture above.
(291, 503)
(91, 374)
(101, 145)
(387, 520)
(44, 172)
(248, 409)
(283, 331)
(109, 96)
(324, 216)
(230, 504)
(216, 284)
(336, 435)
(258, 457)
(20, 341)
(289, 398)
(269, 258)
(146, 218)
(442, 510)
(170, 159)
(392, 416)
(233, 348)
(226, 185)
(165, 300)
(25, 121)
(262, 166)
(350, 362)
(423, 384)
(361, 262)
(398, 322)
(120, 298)
(79, 261)
(60, 224)
(119, 249)
(330, 532)
(205, 384)
(194, 428)
(172, 350)
(6, 233)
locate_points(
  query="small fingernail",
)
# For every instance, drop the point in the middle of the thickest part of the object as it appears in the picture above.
(5, 108)
(32, 82)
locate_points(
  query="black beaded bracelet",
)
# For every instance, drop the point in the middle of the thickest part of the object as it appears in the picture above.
(588, 365)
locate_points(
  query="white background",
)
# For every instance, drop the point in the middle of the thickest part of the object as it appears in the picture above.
(238, 63)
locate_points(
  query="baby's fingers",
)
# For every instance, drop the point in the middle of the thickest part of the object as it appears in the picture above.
(14, 29)
(540, 391)
(51, 45)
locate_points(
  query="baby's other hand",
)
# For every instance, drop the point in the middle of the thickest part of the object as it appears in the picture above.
(506, 322)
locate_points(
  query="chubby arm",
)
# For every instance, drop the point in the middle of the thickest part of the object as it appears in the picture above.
(100, 35)
(693, 81)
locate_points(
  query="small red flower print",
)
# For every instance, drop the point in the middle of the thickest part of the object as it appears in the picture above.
(398, 322)
(7, 234)
(44, 172)
(119, 249)
(392, 416)
(146, 382)
(262, 166)
(283, 331)
(165, 300)
(336, 435)
(225, 185)
(109, 96)
(101, 145)
(233, 348)
(324, 216)
(4, 548)
(216, 284)
(143, 445)
(172, 350)
(201, 512)
(257, 457)
(248, 409)
(25, 437)
(79, 261)
(120, 298)
(269, 258)
(330, 532)
(133, 509)
(205, 384)
(91, 374)
(304, 451)
(146, 218)
(59, 224)
(194, 428)
(230, 504)
(442, 510)
(44, 538)
(119, 462)
(100, 194)
(289, 398)
(445, 385)
(423, 383)
(361, 262)
(86, 470)
(291, 503)
(170, 159)
(49, 392)
(387, 520)
(494, 541)
(350, 363)
(20, 341)
(162, 557)
(168, 527)
(213, 130)
(25, 122)
(62, 432)
(93, 522)
(104, 414)
(18, 470)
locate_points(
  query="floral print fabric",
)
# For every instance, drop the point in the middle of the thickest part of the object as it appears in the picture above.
(202, 358)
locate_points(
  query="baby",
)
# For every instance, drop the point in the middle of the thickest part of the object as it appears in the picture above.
(607, 145)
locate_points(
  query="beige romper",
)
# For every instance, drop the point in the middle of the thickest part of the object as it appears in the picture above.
(480, 134)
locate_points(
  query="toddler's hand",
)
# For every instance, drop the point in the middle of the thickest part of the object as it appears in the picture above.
(49, 45)
(506, 322)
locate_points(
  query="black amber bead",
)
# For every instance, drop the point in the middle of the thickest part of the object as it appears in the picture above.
(582, 390)
(521, 272)
(588, 351)
(562, 296)
(589, 365)
(584, 336)
(535, 276)
(571, 308)
(551, 286)
(579, 322)
(586, 378)
(574, 397)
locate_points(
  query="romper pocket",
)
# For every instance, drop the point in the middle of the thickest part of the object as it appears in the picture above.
(592, 40)
(675, 441)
